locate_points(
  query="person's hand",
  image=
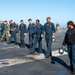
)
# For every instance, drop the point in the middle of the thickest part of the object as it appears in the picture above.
(42, 35)
(0, 28)
(7, 32)
(54, 37)
(25, 34)
(11, 29)
(17, 34)
(63, 46)
(14, 28)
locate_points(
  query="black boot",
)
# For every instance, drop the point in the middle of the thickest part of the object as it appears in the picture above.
(31, 52)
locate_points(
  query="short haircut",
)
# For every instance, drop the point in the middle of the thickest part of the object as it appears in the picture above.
(38, 20)
(29, 19)
(5, 21)
(48, 18)
(11, 20)
(70, 23)
(21, 20)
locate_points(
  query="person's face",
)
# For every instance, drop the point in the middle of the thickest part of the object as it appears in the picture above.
(69, 26)
(30, 21)
(48, 20)
(5, 23)
(37, 23)
(22, 22)
(11, 22)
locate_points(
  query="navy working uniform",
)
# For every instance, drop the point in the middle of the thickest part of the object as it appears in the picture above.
(13, 30)
(1, 29)
(49, 29)
(39, 30)
(31, 30)
(70, 41)
(23, 30)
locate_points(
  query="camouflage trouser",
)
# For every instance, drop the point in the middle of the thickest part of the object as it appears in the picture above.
(5, 36)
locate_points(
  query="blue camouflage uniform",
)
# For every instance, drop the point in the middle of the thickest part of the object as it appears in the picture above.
(2, 30)
(38, 31)
(49, 29)
(31, 30)
(22, 29)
